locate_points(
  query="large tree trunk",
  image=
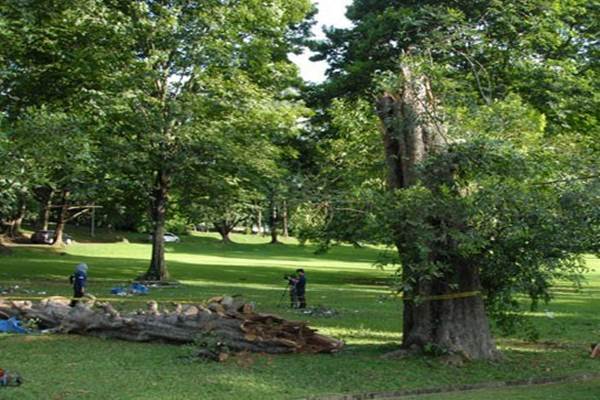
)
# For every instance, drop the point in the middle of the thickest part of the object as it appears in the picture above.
(225, 325)
(452, 319)
(447, 312)
(158, 267)
(62, 219)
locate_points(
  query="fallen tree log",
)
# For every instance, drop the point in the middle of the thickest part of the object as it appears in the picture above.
(224, 325)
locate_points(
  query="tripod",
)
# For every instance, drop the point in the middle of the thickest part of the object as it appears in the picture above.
(283, 295)
(293, 296)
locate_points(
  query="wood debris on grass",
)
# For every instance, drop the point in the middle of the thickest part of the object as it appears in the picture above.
(222, 326)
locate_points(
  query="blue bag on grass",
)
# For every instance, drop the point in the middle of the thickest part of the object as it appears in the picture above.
(118, 291)
(138, 288)
(11, 325)
(135, 288)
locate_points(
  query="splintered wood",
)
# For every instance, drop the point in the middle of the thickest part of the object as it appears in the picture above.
(224, 325)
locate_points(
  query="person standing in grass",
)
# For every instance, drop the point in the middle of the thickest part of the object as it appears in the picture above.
(300, 284)
(78, 279)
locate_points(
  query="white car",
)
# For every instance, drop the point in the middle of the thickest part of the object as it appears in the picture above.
(168, 237)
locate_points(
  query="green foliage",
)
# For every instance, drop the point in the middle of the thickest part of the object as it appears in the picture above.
(56, 148)
(498, 214)
(60, 53)
(509, 119)
(481, 52)
(335, 205)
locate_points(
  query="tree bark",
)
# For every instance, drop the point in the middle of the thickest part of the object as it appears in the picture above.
(157, 270)
(62, 219)
(445, 312)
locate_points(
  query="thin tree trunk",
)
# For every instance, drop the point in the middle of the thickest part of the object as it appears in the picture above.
(9, 227)
(224, 230)
(284, 219)
(273, 222)
(62, 219)
(274, 239)
(445, 312)
(45, 214)
(259, 224)
(19, 219)
(158, 267)
(43, 194)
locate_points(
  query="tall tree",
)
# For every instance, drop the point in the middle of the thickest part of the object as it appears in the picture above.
(442, 308)
(473, 195)
(194, 67)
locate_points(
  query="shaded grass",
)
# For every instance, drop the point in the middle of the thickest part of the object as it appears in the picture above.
(69, 367)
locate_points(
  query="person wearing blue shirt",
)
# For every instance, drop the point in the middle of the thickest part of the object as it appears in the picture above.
(78, 279)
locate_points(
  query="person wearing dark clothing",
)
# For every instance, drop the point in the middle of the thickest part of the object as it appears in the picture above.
(78, 279)
(300, 284)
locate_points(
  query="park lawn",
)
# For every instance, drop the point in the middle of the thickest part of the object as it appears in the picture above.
(369, 320)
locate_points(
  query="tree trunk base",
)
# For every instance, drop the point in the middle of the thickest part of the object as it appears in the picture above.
(449, 326)
(402, 353)
(223, 326)
(165, 283)
(151, 278)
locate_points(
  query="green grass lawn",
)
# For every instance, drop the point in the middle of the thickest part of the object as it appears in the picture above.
(72, 367)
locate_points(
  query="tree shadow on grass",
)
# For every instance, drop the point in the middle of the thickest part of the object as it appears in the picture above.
(194, 245)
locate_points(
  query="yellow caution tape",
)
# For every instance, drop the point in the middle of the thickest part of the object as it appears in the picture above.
(447, 296)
